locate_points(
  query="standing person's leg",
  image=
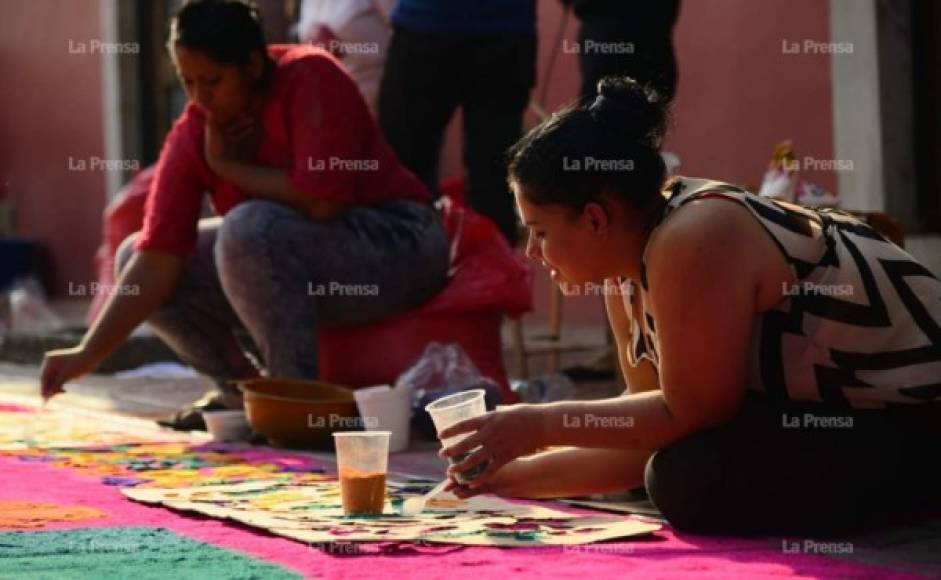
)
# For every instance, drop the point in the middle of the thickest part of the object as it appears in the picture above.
(797, 469)
(498, 86)
(418, 95)
(287, 276)
(649, 60)
(197, 322)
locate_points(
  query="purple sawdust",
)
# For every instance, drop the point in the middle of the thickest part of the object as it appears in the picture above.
(37, 458)
(122, 481)
(299, 468)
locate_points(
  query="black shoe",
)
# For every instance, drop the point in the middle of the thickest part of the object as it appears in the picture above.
(191, 418)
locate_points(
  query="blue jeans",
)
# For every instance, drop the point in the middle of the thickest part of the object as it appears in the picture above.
(267, 270)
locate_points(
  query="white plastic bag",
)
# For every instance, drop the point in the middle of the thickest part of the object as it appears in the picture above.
(443, 369)
(29, 313)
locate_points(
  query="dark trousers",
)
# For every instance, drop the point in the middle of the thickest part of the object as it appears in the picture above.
(608, 48)
(788, 468)
(270, 271)
(428, 77)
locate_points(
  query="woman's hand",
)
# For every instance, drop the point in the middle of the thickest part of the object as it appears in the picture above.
(61, 366)
(234, 142)
(462, 491)
(501, 435)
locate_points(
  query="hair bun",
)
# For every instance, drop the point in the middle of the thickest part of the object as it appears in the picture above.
(630, 108)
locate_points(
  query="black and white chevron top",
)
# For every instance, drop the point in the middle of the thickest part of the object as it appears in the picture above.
(860, 328)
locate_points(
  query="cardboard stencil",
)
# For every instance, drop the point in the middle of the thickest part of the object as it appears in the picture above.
(312, 513)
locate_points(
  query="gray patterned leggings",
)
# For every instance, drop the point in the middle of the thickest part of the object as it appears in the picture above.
(266, 270)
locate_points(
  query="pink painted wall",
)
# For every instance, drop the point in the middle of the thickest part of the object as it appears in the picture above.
(50, 111)
(739, 94)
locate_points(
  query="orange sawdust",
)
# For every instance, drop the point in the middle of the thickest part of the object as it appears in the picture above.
(445, 503)
(23, 515)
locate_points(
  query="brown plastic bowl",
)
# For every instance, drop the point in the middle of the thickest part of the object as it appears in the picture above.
(297, 413)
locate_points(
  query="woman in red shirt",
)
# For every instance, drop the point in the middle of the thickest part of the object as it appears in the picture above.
(318, 224)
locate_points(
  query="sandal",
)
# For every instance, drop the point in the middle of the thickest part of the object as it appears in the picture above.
(190, 418)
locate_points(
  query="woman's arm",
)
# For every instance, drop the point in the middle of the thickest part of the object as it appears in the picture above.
(223, 157)
(148, 281)
(566, 472)
(272, 184)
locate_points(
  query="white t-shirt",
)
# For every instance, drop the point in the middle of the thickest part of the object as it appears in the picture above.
(362, 30)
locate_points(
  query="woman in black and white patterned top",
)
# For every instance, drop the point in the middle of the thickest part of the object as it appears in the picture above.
(783, 364)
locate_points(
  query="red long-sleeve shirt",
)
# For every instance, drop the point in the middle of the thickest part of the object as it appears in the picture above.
(315, 126)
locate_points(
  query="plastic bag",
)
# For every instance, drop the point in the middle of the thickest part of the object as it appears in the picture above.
(781, 181)
(443, 369)
(29, 313)
(485, 272)
(545, 389)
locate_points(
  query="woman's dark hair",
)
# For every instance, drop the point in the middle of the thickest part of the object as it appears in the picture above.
(227, 31)
(611, 144)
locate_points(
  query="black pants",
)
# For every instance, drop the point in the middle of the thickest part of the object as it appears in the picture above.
(427, 77)
(608, 48)
(785, 468)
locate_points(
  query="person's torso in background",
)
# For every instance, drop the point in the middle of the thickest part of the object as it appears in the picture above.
(362, 35)
(468, 17)
(657, 14)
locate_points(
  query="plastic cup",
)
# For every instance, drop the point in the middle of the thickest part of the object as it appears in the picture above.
(452, 409)
(387, 409)
(362, 460)
(229, 425)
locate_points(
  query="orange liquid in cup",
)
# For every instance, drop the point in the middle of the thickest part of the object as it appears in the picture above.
(362, 493)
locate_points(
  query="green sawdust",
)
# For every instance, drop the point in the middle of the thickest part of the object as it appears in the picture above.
(139, 553)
